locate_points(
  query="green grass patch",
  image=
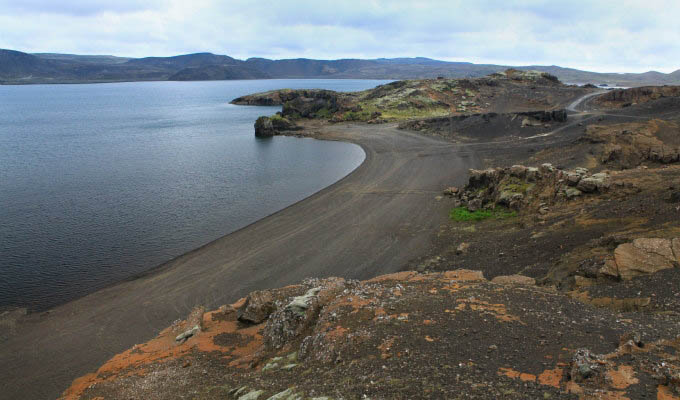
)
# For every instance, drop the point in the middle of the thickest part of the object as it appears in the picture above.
(323, 113)
(461, 214)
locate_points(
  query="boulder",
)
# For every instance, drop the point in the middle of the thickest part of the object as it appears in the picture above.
(572, 192)
(450, 191)
(547, 168)
(257, 308)
(642, 257)
(264, 127)
(274, 125)
(572, 178)
(587, 185)
(462, 248)
(518, 171)
(585, 364)
(533, 174)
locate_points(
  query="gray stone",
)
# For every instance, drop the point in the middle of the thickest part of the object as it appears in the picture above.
(588, 185)
(254, 395)
(572, 193)
(187, 334)
(287, 394)
(572, 178)
(300, 304)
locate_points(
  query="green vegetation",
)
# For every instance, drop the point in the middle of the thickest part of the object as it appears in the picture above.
(323, 113)
(460, 214)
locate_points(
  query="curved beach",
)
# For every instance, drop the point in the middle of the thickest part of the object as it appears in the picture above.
(373, 221)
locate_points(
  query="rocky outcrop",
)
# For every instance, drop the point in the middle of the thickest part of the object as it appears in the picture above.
(626, 97)
(301, 103)
(312, 104)
(403, 335)
(520, 187)
(630, 145)
(275, 125)
(642, 256)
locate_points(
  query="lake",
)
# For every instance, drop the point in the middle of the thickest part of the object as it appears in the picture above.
(99, 183)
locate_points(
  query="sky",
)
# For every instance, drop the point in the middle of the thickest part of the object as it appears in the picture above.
(596, 35)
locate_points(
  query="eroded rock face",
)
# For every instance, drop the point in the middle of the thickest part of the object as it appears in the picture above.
(300, 313)
(389, 335)
(641, 257)
(633, 144)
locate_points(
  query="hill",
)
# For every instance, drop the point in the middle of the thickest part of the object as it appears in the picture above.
(22, 68)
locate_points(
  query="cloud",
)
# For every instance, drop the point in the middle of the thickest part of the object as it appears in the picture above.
(598, 35)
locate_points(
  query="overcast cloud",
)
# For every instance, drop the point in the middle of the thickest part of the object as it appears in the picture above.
(606, 36)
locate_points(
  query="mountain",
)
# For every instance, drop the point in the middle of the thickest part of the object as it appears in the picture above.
(23, 68)
(184, 61)
(18, 65)
(75, 58)
(217, 73)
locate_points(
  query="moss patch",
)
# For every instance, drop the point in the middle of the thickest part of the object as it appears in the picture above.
(463, 214)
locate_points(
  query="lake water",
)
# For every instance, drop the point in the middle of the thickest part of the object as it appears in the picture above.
(101, 182)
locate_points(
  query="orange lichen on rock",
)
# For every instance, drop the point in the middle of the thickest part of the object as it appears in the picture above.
(551, 377)
(165, 347)
(337, 333)
(385, 348)
(664, 393)
(622, 377)
(499, 311)
(511, 373)
(397, 276)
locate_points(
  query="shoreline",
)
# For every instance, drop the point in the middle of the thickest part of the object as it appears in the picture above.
(347, 228)
(159, 268)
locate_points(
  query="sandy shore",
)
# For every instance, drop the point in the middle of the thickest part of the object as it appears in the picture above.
(374, 221)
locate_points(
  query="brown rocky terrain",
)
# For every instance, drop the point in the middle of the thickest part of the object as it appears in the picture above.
(555, 275)
(620, 98)
(405, 335)
(489, 126)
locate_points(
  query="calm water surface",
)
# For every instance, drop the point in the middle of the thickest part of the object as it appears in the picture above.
(101, 182)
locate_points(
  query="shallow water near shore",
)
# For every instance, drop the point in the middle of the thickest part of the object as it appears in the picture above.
(99, 183)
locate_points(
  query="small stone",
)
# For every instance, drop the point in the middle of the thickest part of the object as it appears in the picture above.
(187, 334)
(572, 193)
(462, 248)
(254, 395)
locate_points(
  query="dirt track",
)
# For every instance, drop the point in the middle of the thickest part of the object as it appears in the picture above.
(372, 222)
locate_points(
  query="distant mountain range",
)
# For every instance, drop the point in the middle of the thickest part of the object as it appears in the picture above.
(23, 68)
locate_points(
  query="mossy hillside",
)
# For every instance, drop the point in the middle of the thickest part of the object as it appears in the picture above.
(410, 99)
